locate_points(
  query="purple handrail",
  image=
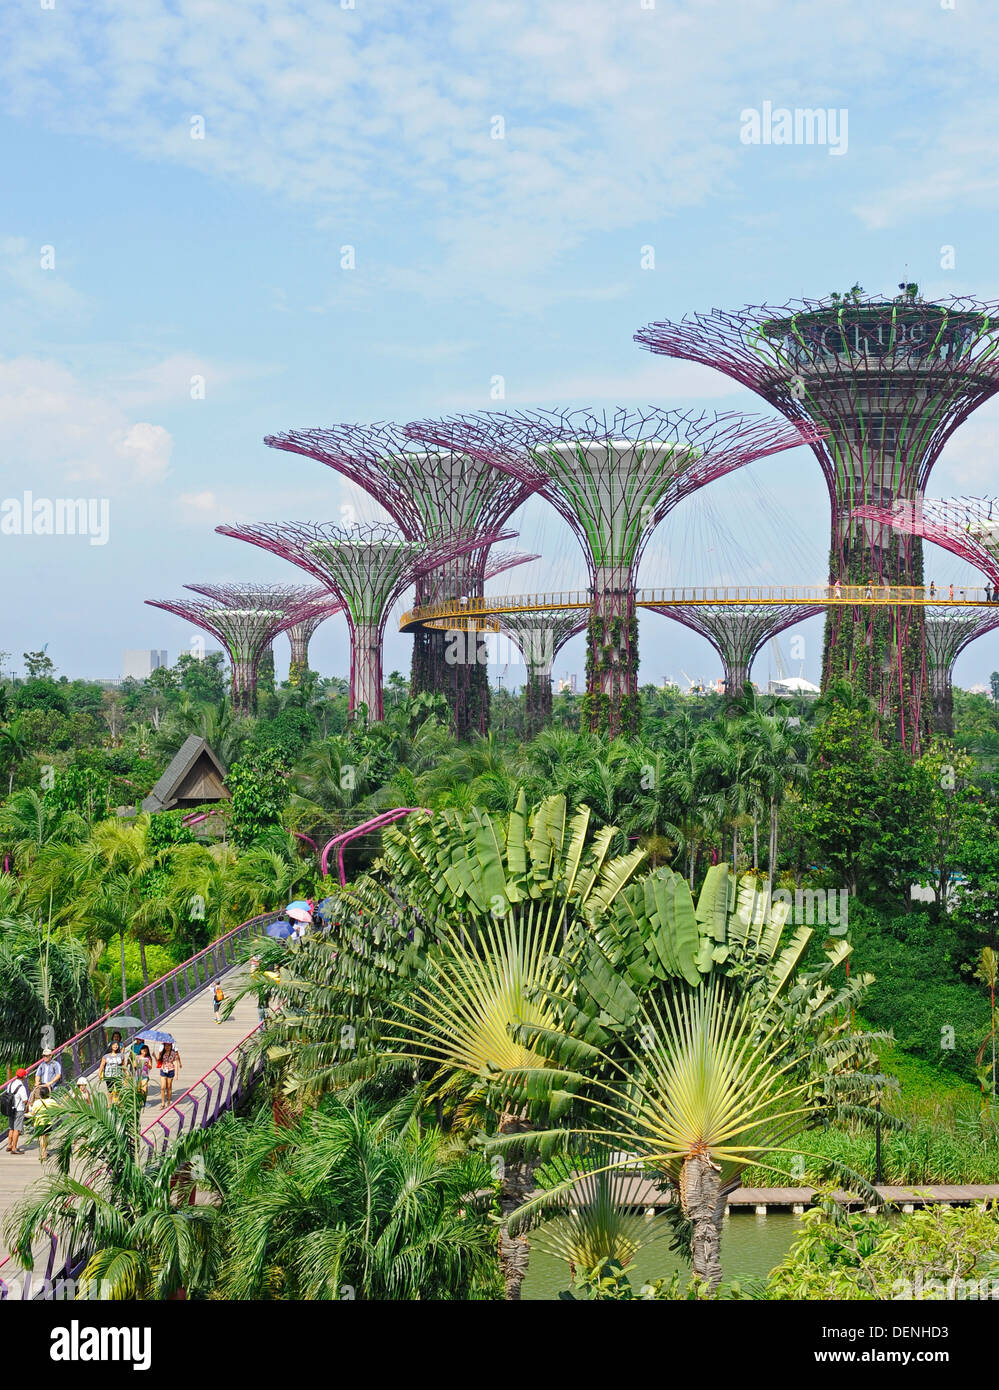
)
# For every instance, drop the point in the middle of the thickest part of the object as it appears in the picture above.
(235, 1076)
(346, 836)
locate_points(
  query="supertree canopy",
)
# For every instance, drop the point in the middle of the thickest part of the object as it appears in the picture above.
(947, 635)
(245, 619)
(434, 496)
(738, 633)
(888, 381)
(966, 526)
(540, 634)
(612, 477)
(366, 568)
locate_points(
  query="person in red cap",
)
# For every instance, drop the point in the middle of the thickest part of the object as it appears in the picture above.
(15, 1102)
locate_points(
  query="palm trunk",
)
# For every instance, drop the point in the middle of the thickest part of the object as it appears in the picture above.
(142, 958)
(772, 861)
(516, 1186)
(756, 846)
(703, 1203)
(121, 937)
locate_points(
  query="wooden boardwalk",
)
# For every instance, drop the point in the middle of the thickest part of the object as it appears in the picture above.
(201, 1044)
(641, 1192)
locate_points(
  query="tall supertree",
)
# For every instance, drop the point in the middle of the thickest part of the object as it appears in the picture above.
(948, 632)
(245, 619)
(736, 632)
(433, 496)
(613, 478)
(366, 568)
(888, 381)
(540, 635)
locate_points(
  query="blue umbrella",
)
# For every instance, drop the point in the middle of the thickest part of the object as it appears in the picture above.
(299, 903)
(154, 1035)
(280, 930)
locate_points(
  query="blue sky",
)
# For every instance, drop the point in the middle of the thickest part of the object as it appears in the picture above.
(220, 258)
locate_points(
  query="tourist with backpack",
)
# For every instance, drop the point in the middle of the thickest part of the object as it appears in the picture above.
(218, 997)
(13, 1104)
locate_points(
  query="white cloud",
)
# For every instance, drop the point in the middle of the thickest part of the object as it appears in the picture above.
(58, 430)
(614, 116)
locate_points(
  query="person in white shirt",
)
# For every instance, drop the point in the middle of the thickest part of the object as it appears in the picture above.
(18, 1092)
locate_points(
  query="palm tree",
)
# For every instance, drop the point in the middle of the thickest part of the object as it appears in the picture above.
(776, 762)
(28, 823)
(44, 981)
(133, 1215)
(15, 744)
(595, 1219)
(495, 902)
(350, 1204)
(713, 1087)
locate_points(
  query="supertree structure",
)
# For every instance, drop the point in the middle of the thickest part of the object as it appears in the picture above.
(245, 619)
(540, 634)
(966, 526)
(612, 477)
(318, 605)
(738, 633)
(433, 496)
(948, 632)
(300, 634)
(888, 381)
(366, 567)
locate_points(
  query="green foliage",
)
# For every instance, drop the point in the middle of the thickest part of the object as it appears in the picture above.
(351, 1204)
(259, 789)
(839, 1256)
(44, 979)
(919, 991)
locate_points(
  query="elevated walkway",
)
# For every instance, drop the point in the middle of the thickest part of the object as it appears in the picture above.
(215, 1069)
(476, 612)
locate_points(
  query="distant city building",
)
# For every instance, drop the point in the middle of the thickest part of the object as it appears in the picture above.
(568, 683)
(140, 665)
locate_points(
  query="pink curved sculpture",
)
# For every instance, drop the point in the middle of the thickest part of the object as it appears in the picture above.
(357, 831)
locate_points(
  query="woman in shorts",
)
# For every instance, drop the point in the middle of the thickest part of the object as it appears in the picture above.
(169, 1067)
(112, 1068)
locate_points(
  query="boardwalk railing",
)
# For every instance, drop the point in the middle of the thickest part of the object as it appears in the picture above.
(160, 999)
(218, 1090)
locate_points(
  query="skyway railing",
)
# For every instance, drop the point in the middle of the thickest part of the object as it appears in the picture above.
(158, 1000)
(201, 1105)
(922, 595)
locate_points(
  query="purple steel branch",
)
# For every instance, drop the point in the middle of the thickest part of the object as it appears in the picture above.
(966, 526)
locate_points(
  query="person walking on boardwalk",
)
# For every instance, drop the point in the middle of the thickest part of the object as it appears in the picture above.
(15, 1103)
(169, 1067)
(111, 1069)
(218, 998)
(142, 1065)
(49, 1071)
(39, 1112)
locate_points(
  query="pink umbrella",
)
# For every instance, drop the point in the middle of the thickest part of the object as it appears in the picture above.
(299, 914)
